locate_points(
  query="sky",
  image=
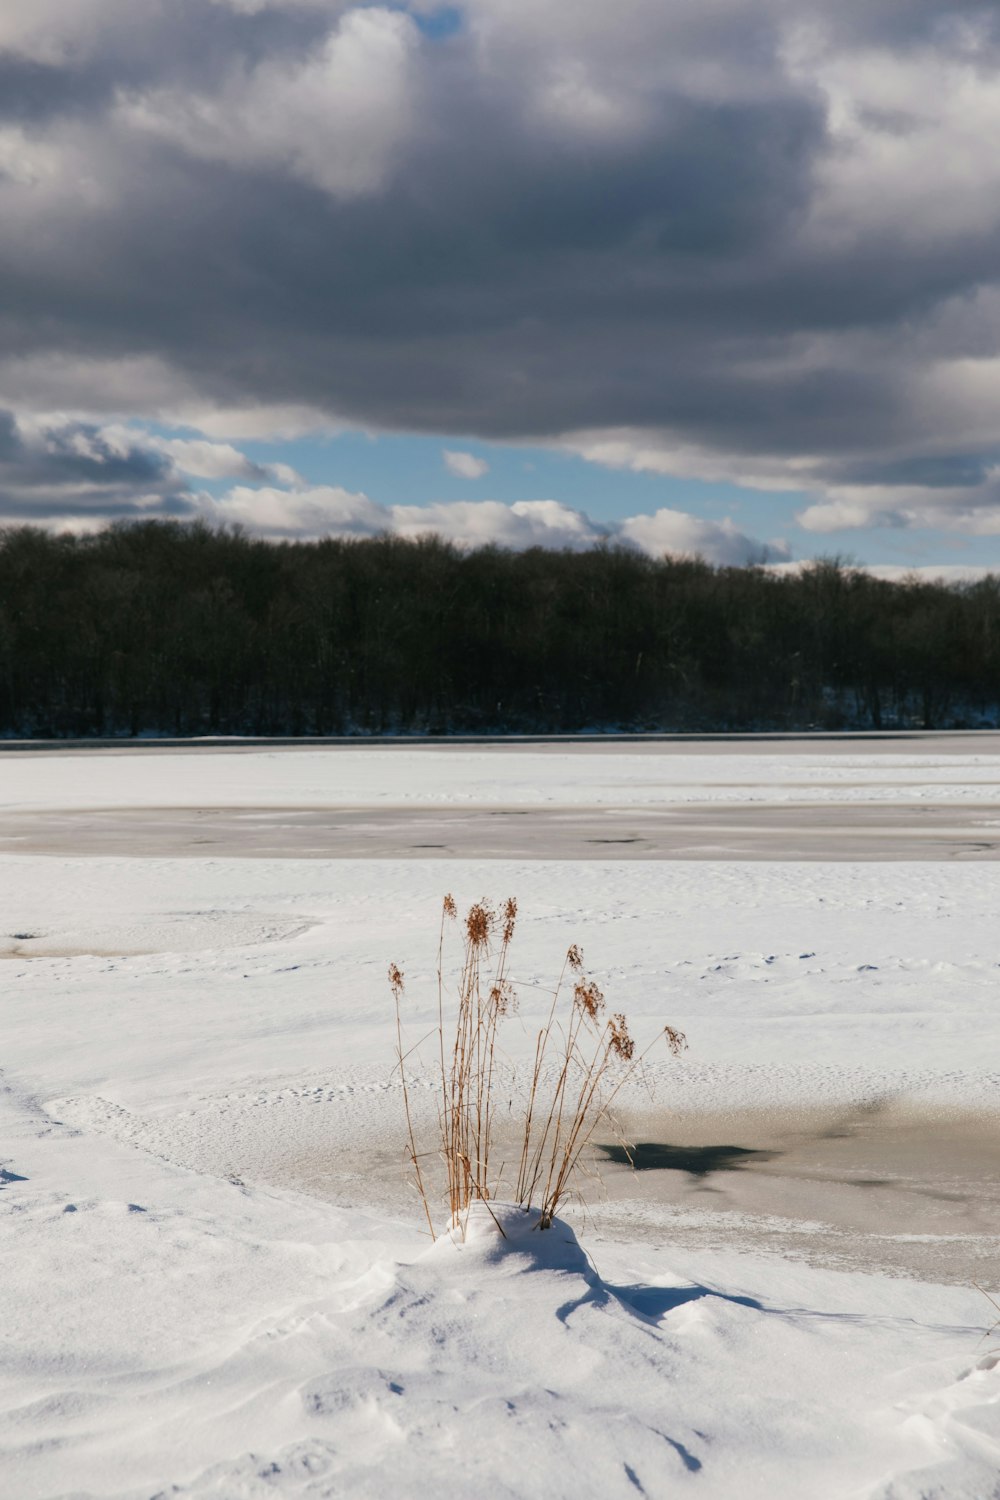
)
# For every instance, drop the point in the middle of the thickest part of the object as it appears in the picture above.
(695, 276)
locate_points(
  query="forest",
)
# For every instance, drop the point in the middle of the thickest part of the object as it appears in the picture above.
(181, 629)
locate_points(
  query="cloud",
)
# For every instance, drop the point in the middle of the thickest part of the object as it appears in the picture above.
(948, 573)
(970, 508)
(324, 510)
(51, 32)
(204, 459)
(677, 533)
(328, 510)
(846, 515)
(70, 468)
(254, 7)
(62, 471)
(336, 118)
(464, 465)
(74, 472)
(480, 523)
(749, 239)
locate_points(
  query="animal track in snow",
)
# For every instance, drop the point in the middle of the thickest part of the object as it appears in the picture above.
(252, 1135)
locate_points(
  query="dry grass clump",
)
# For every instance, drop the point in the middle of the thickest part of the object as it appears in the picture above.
(583, 1057)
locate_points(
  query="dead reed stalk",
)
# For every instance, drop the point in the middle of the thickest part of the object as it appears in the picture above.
(581, 1063)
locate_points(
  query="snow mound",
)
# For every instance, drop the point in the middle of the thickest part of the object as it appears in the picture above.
(487, 1234)
(175, 1335)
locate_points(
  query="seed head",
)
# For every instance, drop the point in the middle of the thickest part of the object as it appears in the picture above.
(395, 980)
(588, 998)
(621, 1043)
(503, 998)
(479, 925)
(676, 1040)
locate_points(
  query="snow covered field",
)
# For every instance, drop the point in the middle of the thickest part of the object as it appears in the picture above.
(213, 1275)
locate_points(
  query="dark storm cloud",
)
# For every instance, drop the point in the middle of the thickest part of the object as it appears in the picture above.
(940, 472)
(53, 468)
(751, 232)
(908, 24)
(82, 455)
(10, 441)
(134, 46)
(75, 469)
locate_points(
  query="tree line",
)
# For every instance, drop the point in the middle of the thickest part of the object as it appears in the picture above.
(180, 629)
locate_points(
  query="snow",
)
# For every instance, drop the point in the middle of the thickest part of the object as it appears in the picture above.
(214, 1279)
(390, 777)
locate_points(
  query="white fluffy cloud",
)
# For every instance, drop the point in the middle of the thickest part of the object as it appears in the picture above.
(677, 532)
(900, 120)
(478, 523)
(464, 465)
(969, 509)
(52, 32)
(661, 453)
(324, 510)
(329, 510)
(334, 119)
(203, 459)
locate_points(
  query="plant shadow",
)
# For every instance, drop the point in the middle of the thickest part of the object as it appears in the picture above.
(650, 1303)
(654, 1302)
(696, 1161)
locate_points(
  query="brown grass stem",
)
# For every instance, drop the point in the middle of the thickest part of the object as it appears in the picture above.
(590, 1055)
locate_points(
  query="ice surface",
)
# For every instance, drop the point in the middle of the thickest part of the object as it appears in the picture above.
(214, 1280)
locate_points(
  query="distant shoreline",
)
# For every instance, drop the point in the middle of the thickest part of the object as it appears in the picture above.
(874, 740)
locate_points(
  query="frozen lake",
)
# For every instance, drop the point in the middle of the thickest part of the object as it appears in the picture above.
(905, 797)
(212, 1258)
